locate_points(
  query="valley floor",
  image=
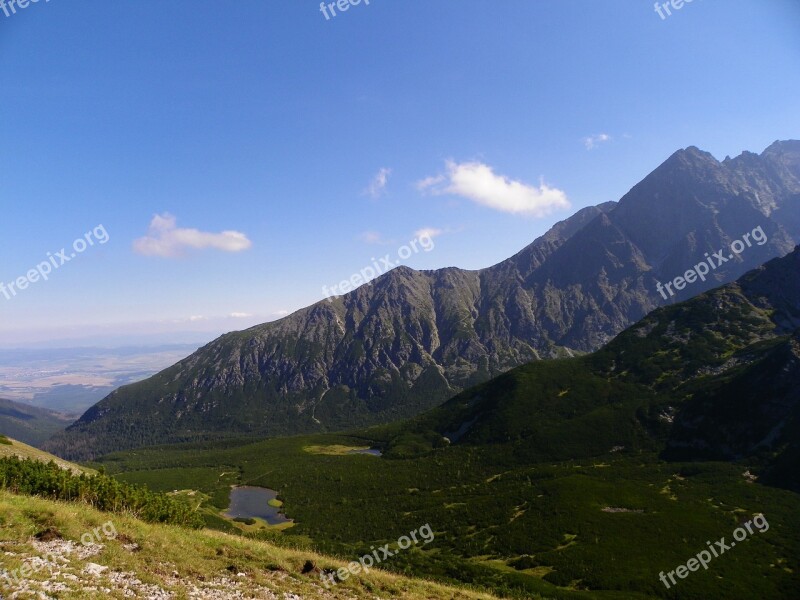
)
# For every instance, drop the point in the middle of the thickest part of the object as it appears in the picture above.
(601, 528)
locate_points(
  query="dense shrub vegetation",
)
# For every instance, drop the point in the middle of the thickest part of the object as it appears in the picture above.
(47, 480)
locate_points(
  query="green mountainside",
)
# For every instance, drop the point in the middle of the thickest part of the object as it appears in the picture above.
(30, 424)
(716, 377)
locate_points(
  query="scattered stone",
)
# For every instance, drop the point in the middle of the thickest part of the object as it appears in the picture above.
(94, 569)
(128, 543)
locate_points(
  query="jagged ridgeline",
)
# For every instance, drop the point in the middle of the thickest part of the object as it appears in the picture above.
(413, 339)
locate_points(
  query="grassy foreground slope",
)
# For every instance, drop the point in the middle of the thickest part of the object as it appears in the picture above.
(160, 561)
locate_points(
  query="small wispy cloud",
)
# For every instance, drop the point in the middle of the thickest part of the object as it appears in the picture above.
(377, 186)
(373, 237)
(429, 182)
(195, 318)
(428, 232)
(477, 182)
(592, 141)
(240, 315)
(166, 240)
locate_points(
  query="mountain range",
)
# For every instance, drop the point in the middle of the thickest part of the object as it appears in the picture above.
(410, 340)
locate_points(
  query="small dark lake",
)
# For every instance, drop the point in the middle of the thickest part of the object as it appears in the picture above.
(253, 502)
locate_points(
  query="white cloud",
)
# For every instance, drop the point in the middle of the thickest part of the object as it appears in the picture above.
(166, 240)
(239, 315)
(478, 182)
(373, 237)
(591, 142)
(428, 232)
(194, 318)
(424, 184)
(378, 184)
(281, 313)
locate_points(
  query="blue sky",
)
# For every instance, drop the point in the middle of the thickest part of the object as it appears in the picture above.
(319, 145)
